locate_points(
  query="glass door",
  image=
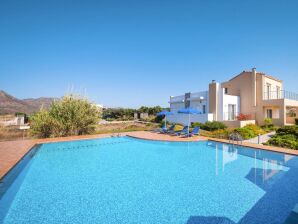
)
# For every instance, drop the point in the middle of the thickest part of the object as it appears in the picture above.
(231, 112)
(269, 113)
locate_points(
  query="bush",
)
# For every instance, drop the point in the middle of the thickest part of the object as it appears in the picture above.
(69, 116)
(41, 124)
(284, 141)
(268, 125)
(245, 133)
(213, 125)
(285, 137)
(255, 128)
(268, 122)
(244, 117)
(250, 131)
(223, 133)
(197, 124)
(288, 130)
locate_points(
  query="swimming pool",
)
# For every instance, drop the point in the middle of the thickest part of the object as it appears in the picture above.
(126, 180)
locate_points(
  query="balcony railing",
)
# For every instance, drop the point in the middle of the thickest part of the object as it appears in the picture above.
(230, 116)
(177, 99)
(282, 94)
(199, 95)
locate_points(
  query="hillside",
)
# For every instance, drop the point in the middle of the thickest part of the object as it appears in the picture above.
(11, 105)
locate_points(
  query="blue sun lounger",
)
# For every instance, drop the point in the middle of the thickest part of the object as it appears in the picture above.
(184, 131)
(167, 131)
(195, 131)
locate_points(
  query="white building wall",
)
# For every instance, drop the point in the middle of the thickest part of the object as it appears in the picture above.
(176, 106)
(226, 100)
(197, 101)
(184, 118)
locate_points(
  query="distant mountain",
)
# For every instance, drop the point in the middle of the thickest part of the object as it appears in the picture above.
(11, 105)
(45, 102)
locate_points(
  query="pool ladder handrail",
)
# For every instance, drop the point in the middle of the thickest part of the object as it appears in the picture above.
(234, 136)
(116, 135)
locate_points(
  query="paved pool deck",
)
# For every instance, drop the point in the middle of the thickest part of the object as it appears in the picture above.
(11, 152)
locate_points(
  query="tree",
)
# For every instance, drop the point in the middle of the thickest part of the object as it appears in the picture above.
(41, 124)
(72, 115)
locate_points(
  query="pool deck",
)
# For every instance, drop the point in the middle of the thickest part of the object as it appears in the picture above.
(13, 151)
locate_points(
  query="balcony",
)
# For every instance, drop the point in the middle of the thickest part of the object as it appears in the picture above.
(282, 94)
(177, 99)
(198, 96)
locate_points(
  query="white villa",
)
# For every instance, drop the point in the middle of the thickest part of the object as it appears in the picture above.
(256, 95)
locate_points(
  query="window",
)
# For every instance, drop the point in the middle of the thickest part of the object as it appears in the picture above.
(204, 109)
(277, 92)
(226, 90)
(268, 90)
(269, 113)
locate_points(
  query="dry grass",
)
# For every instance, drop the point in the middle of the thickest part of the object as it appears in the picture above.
(125, 127)
(12, 133)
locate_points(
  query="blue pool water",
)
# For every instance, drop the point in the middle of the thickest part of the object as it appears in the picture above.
(125, 180)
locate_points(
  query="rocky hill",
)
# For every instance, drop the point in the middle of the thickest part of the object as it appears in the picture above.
(11, 105)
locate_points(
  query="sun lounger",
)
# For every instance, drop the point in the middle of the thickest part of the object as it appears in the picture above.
(195, 131)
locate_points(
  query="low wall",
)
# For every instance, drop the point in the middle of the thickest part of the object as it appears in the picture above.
(238, 124)
(184, 118)
(290, 120)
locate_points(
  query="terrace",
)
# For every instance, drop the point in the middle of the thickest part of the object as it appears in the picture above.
(282, 94)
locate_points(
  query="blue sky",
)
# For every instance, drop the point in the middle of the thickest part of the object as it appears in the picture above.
(133, 53)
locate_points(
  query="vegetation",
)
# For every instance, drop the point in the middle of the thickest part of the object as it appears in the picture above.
(268, 122)
(71, 115)
(285, 137)
(245, 133)
(268, 125)
(111, 114)
(210, 125)
(12, 133)
(219, 130)
(125, 127)
(150, 110)
(244, 117)
(125, 114)
(223, 133)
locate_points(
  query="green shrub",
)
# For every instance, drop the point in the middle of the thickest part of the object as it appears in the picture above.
(288, 130)
(268, 122)
(245, 133)
(197, 124)
(69, 116)
(286, 141)
(255, 128)
(41, 124)
(268, 125)
(213, 125)
(223, 133)
(285, 137)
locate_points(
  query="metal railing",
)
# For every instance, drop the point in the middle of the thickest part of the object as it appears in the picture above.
(199, 95)
(282, 94)
(229, 116)
(177, 99)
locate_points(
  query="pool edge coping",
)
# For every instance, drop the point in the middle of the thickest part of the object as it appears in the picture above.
(36, 142)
